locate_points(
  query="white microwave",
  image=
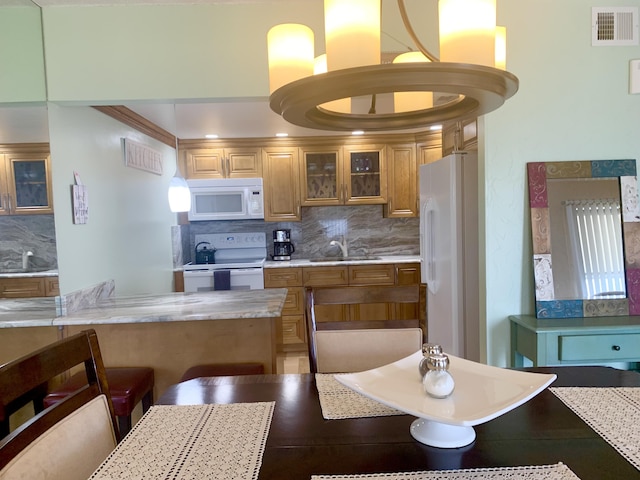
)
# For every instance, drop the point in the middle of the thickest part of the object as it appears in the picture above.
(226, 199)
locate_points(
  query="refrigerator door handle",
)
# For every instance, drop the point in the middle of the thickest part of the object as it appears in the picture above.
(428, 212)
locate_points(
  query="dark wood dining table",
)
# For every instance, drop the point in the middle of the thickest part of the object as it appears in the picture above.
(302, 443)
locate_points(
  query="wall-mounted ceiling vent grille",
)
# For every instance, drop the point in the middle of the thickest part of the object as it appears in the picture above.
(614, 26)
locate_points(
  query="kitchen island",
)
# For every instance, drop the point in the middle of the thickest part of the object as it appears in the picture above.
(169, 332)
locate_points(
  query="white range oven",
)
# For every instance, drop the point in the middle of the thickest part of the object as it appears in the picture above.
(238, 263)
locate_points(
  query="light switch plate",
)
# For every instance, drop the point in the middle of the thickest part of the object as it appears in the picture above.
(634, 76)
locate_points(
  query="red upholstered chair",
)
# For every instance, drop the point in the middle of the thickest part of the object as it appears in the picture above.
(222, 369)
(128, 386)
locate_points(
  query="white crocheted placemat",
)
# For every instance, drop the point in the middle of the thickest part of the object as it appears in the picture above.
(558, 471)
(192, 442)
(613, 412)
(338, 401)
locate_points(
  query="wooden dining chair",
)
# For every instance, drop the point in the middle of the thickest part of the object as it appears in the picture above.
(358, 343)
(67, 440)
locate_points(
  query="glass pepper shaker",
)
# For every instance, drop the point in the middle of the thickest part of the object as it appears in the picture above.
(427, 349)
(438, 382)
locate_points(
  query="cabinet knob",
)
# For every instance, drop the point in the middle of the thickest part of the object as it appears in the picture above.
(616, 348)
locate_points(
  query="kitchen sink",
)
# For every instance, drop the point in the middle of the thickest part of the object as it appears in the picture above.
(345, 259)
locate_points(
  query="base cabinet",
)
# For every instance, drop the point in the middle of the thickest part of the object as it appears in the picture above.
(29, 287)
(291, 332)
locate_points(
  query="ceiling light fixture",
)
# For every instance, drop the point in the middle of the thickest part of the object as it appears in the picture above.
(179, 194)
(467, 81)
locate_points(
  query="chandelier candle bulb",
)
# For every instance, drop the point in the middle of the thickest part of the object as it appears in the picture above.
(352, 33)
(408, 101)
(290, 54)
(467, 31)
(501, 48)
(438, 382)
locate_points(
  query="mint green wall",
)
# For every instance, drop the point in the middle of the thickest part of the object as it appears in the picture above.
(162, 52)
(573, 104)
(21, 59)
(128, 235)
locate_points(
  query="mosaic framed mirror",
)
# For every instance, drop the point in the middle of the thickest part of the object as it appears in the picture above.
(585, 221)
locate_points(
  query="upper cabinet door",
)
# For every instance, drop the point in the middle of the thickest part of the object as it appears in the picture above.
(366, 175)
(232, 162)
(28, 180)
(281, 184)
(321, 177)
(243, 162)
(402, 181)
(204, 163)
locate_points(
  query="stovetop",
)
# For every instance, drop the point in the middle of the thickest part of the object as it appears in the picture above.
(232, 250)
(240, 263)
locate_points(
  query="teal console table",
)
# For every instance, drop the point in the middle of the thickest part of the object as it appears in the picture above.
(574, 341)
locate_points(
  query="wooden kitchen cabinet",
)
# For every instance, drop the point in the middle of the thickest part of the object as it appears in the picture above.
(28, 287)
(407, 274)
(402, 181)
(25, 180)
(460, 136)
(281, 184)
(321, 175)
(228, 162)
(365, 175)
(291, 330)
(429, 147)
(323, 277)
(347, 175)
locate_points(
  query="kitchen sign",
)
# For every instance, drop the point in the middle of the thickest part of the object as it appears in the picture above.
(142, 157)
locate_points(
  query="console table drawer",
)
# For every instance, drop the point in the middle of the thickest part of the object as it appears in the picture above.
(599, 347)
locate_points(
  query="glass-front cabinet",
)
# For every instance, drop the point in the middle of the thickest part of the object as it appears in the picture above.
(346, 175)
(25, 184)
(322, 178)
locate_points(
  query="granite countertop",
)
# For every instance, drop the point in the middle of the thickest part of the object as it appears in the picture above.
(30, 273)
(378, 259)
(171, 307)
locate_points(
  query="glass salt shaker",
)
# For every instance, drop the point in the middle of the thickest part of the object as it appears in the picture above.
(438, 382)
(427, 349)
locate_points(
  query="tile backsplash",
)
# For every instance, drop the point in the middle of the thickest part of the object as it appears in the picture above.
(23, 233)
(365, 230)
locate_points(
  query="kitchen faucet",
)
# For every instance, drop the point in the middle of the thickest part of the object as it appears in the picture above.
(343, 246)
(25, 258)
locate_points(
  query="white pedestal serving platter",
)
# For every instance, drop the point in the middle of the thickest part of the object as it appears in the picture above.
(481, 393)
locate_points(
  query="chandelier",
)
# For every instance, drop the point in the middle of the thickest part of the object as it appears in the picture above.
(326, 92)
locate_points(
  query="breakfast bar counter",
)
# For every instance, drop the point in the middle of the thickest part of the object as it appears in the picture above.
(169, 332)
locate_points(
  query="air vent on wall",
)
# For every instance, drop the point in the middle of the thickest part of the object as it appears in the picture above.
(614, 26)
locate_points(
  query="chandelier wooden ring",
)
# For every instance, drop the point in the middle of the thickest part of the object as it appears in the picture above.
(481, 90)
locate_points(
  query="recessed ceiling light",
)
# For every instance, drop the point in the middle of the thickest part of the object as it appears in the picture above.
(211, 135)
(282, 134)
(357, 132)
(435, 127)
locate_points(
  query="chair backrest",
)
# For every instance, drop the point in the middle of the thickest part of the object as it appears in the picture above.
(69, 439)
(360, 343)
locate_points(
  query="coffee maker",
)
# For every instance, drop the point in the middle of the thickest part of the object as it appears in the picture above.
(282, 246)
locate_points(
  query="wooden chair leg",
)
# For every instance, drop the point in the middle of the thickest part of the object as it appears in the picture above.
(124, 425)
(147, 401)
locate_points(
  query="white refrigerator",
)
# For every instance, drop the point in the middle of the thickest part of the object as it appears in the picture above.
(449, 251)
